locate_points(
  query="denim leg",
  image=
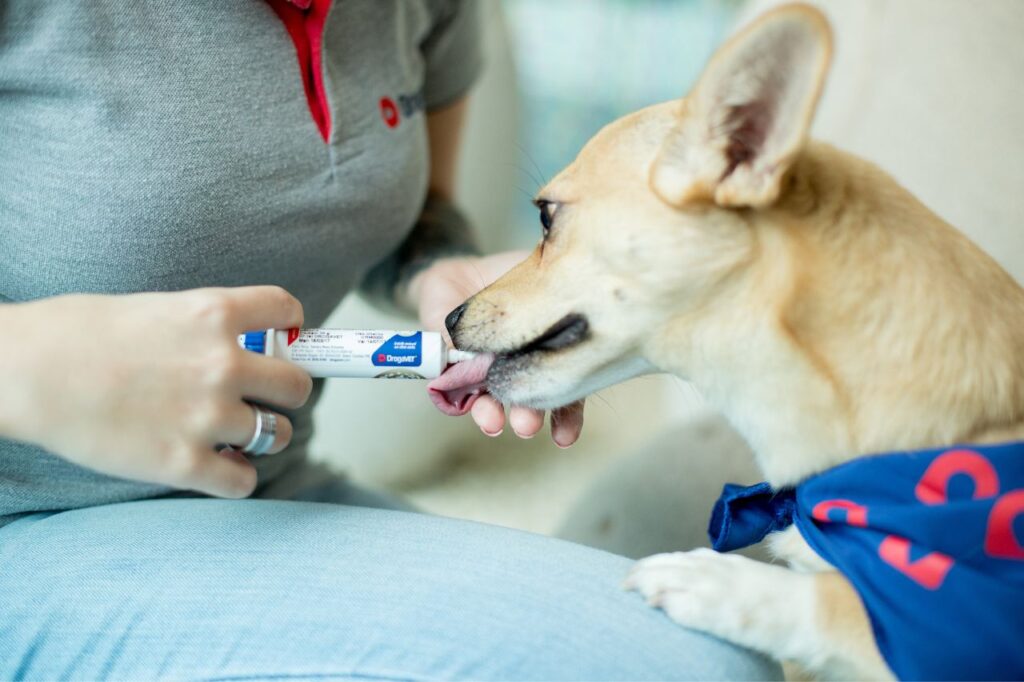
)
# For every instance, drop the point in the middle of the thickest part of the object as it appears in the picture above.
(262, 589)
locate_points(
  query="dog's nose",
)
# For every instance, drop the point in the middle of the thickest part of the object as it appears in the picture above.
(452, 320)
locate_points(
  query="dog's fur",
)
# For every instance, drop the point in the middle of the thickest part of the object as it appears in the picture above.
(821, 307)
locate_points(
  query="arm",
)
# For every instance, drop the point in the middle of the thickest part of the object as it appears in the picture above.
(444, 132)
(441, 230)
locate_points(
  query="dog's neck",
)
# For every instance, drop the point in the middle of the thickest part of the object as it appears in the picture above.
(866, 325)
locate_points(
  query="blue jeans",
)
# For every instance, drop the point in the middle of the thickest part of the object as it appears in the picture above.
(267, 589)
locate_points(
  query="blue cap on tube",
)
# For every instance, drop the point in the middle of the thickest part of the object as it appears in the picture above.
(256, 342)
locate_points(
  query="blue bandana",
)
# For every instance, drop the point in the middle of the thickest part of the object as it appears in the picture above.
(930, 539)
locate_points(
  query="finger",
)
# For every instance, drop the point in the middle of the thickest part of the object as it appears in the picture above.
(488, 415)
(242, 427)
(263, 307)
(566, 424)
(221, 474)
(525, 422)
(273, 381)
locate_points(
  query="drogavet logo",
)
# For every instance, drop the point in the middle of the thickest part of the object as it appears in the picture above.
(383, 358)
(392, 112)
(400, 351)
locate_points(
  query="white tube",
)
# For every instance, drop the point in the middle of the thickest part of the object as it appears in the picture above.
(368, 353)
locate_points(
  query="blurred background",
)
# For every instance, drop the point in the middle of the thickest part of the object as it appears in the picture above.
(929, 89)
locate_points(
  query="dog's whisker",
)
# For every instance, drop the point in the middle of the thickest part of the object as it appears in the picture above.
(536, 167)
(607, 403)
(519, 167)
(525, 193)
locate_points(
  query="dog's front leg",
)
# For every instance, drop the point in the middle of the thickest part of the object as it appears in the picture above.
(813, 619)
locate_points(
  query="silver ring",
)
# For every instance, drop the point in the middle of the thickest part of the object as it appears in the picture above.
(265, 435)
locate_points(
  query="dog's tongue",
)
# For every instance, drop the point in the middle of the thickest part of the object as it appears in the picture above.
(455, 391)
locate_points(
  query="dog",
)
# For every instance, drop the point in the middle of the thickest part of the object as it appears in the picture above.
(824, 310)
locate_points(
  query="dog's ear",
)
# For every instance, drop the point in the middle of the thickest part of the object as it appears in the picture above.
(748, 115)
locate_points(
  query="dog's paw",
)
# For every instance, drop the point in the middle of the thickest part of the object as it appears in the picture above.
(696, 589)
(726, 595)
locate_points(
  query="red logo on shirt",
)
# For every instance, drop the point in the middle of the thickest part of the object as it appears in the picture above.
(393, 110)
(389, 112)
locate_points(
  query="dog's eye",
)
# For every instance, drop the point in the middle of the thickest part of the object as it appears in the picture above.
(547, 215)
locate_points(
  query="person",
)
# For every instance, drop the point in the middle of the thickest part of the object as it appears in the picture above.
(171, 175)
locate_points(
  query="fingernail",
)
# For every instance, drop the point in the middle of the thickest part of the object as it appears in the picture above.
(495, 434)
(562, 446)
(525, 436)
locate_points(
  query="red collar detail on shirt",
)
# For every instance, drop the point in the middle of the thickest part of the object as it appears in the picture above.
(304, 20)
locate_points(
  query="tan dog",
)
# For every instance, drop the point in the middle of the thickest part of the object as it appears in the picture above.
(822, 308)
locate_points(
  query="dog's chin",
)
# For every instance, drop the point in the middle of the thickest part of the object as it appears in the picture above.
(523, 380)
(546, 381)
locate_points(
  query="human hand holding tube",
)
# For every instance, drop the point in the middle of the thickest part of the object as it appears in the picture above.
(145, 386)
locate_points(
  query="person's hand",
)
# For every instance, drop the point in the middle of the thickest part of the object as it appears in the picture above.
(436, 291)
(145, 386)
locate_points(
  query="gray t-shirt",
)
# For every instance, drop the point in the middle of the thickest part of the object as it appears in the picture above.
(160, 146)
